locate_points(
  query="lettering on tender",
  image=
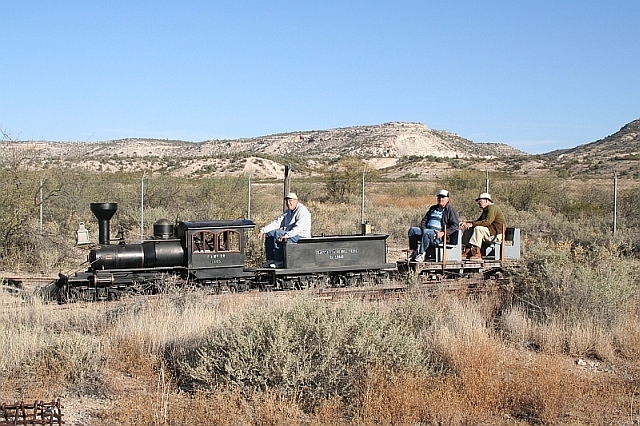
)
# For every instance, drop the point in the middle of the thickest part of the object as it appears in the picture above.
(335, 254)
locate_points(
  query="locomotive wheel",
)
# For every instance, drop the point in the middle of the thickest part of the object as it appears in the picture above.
(339, 281)
(113, 295)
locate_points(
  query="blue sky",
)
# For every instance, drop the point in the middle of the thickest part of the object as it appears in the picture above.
(537, 75)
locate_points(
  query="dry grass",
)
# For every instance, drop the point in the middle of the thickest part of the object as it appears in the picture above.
(472, 374)
(416, 201)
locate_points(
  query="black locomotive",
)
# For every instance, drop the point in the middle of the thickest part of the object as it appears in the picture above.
(211, 253)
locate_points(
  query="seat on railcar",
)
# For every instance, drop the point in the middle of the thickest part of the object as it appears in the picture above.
(453, 249)
(508, 249)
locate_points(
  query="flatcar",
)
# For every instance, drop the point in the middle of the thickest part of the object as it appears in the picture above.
(445, 261)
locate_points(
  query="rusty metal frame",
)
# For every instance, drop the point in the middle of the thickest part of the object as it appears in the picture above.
(37, 413)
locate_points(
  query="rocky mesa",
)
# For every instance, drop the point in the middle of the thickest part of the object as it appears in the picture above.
(389, 140)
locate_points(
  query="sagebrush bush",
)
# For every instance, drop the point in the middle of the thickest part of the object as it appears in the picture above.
(70, 362)
(307, 351)
(571, 300)
(592, 282)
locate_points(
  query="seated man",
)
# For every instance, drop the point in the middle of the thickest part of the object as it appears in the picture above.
(432, 226)
(488, 227)
(293, 224)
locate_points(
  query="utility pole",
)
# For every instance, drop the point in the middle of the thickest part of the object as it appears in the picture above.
(287, 185)
(486, 172)
(365, 227)
(41, 222)
(615, 199)
(249, 196)
(142, 206)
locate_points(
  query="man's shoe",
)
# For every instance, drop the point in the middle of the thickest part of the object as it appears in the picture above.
(267, 264)
(420, 257)
(477, 255)
(414, 253)
(466, 253)
(276, 265)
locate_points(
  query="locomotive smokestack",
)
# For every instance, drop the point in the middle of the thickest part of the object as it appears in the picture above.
(104, 212)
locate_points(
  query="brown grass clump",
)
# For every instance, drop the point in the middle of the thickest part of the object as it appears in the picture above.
(128, 356)
(388, 400)
(626, 334)
(416, 201)
(223, 407)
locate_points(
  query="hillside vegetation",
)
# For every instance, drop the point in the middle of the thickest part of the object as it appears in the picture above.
(396, 149)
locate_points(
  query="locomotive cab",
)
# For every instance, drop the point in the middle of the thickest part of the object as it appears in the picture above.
(214, 248)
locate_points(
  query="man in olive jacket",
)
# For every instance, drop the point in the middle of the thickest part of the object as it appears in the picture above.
(488, 227)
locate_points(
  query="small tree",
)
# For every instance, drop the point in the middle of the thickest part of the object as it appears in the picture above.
(20, 198)
(343, 178)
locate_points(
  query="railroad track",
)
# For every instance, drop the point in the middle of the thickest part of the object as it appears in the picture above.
(395, 289)
(18, 284)
(398, 291)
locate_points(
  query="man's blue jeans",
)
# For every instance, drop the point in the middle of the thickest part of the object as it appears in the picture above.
(273, 249)
(426, 238)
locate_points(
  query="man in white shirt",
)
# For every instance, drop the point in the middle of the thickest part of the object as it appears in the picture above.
(293, 224)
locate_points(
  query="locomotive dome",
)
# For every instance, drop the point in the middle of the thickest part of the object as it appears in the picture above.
(163, 229)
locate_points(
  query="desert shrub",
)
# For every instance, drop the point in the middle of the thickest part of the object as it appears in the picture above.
(626, 331)
(413, 190)
(465, 180)
(395, 222)
(590, 202)
(254, 251)
(212, 198)
(20, 205)
(414, 314)
(307, 350)
(71, 362)
(527, 194)
(576, 279)
(629, 208)
(570, 299)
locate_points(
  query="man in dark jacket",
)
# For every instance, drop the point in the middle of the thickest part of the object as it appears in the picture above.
(488, 227)
(439, 217)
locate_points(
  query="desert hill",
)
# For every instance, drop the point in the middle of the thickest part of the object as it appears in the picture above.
(264, 156)
(620, 150)
(400, 148)
(384, 140)
(625, 142)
